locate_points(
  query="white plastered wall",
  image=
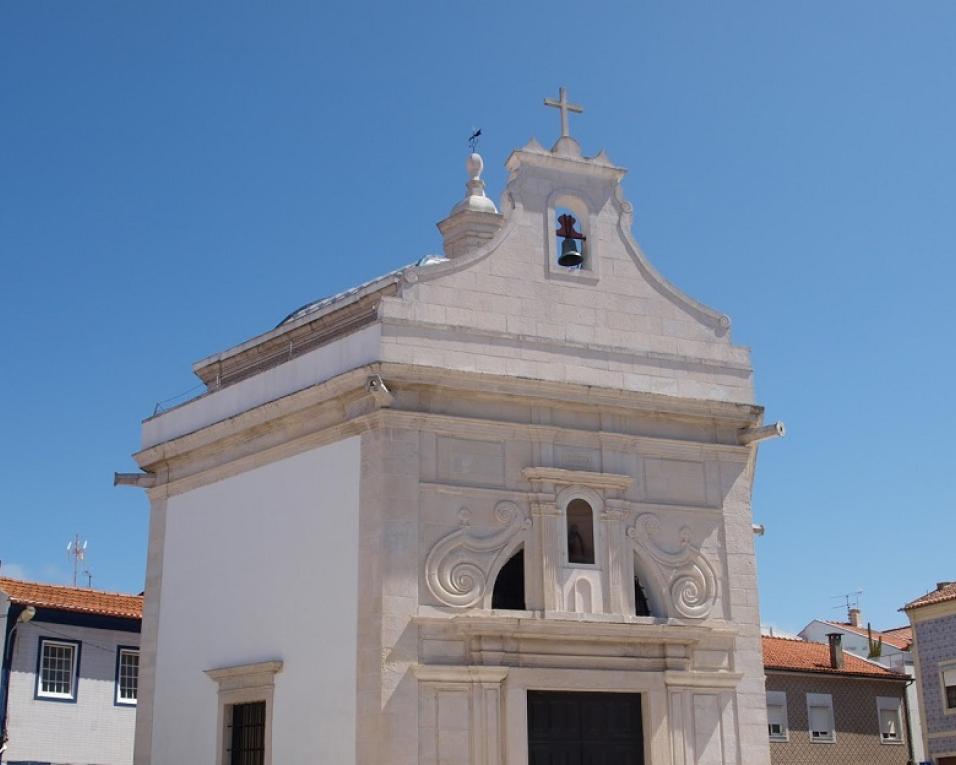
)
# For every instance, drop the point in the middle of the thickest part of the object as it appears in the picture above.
(256, 567)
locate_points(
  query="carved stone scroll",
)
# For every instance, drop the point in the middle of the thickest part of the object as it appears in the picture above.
(458, 567)
(690, 580)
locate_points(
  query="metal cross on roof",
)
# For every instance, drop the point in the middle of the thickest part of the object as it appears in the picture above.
(565, 107)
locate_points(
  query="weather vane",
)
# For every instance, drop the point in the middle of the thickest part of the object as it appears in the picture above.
(473, 140)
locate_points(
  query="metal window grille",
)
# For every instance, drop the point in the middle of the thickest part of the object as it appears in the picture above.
(128, 679)
(56, 669)
(248, 734)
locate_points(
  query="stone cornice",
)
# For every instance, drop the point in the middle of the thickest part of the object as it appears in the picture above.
(257, 417)
(342, 407)
(459, 674)
(570, 395)
(575, 629)
(299, 336)
(564, 477)
(243, 670)
(495, 429)
(465, 490)
(690, 679)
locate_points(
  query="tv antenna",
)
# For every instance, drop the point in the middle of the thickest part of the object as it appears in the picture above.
(850, 600)
(76, 549)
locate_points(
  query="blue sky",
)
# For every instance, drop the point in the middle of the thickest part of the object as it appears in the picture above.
(176, 177)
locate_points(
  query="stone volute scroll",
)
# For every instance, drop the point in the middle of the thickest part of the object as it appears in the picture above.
(458, 568)
(688, 579)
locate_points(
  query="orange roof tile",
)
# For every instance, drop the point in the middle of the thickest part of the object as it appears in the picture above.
(902, 634)
(894, 637)
(73, 598)
(804, 656)
(941, 594)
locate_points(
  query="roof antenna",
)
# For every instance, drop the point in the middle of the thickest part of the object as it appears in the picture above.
(473, 140)
(850, 600)
(76, 549)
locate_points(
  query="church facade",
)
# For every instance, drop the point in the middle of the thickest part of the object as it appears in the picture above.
(489, 509)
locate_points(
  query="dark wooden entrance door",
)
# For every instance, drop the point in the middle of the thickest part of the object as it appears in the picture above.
(584, 728)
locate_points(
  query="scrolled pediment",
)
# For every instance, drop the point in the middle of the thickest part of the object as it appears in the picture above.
(689, 579)
(458, 568)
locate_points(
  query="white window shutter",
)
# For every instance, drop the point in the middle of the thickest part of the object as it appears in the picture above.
(820, 719)
(889, 723)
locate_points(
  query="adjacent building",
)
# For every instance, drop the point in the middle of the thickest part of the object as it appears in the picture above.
(890, 648)
(827, 707)
(68, 688)
(490, 508)
(933, 619)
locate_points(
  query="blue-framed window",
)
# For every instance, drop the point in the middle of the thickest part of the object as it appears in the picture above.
(58, 669)
(127, 675)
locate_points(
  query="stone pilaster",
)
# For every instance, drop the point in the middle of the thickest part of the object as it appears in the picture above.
(619, 597)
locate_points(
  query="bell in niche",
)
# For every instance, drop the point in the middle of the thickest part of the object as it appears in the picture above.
(571, 256)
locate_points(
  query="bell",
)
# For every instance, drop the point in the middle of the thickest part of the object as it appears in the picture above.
(571, 256)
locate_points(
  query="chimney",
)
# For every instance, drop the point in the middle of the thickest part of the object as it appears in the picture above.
(855, 617)
(836, 649)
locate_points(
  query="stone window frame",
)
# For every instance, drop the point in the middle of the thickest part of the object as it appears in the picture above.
(242, 684)
(890, 704)
(948, 665)
(821, 700)
(778, 699)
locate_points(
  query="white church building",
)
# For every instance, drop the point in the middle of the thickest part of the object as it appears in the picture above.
(528, 465)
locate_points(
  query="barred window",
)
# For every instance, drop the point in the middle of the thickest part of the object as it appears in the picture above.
(57, 670)
(248, 734)
(127, 675)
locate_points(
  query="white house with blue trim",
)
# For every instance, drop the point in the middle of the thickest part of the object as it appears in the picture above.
(69, 680)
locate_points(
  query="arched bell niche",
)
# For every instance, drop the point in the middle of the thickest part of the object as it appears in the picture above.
(571, 244)
(571, 249)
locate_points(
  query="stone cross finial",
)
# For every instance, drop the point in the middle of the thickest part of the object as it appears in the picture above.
(565, 107)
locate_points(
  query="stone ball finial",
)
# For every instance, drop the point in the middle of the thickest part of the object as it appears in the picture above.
(475, 164)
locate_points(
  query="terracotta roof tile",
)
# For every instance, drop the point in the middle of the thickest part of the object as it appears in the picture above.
(804, 656)
(902, 634)
(73, 598)
(940, 595)
(901, 637)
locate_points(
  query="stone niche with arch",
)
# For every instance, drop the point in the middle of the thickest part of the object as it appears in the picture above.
(583, 211)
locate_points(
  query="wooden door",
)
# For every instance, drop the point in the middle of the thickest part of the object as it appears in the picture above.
(570, 728)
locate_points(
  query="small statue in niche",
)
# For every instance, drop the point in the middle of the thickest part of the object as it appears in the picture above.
(576, 553)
